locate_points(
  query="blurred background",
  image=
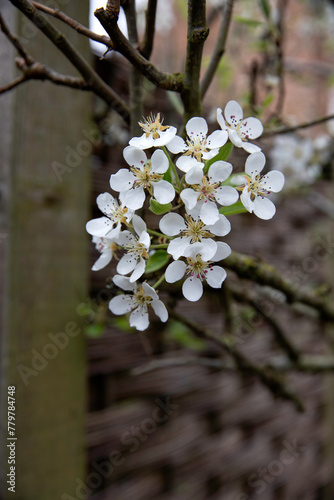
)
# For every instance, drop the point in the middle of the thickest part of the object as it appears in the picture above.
(92, 422)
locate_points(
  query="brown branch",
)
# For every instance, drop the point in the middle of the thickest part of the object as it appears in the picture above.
(98, 86)
(123, 46)
(147, 45)
(15, 42)
(13, 84)
(287, 130)
(105, 40)
(266, 375)
(265, 274)
(219, 48)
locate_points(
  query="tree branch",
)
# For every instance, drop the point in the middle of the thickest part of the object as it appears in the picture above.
(147, 45)
(98, 86)
(265, 274)
(123, 46)
(197, 34)
(15, 42)
(287, 130)
(13, 84)
(105, 40)
(219, 48)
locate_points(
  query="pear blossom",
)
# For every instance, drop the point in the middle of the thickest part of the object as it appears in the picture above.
(239, 129)
(107, 248)
(143, 174)
(136, 249)
(155, 134)
(137, 302)
(115, 215)
(192, 230)
(199, 267)
(198, 146)
(257, 187)
(207, 190)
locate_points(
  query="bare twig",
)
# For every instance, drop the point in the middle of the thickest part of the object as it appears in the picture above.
(13, 84)
(15, 42)
(287, 130)
(219, 48)
(105, 40)
(147, 45)
(123, 46)
(279, 42)
(98, 86)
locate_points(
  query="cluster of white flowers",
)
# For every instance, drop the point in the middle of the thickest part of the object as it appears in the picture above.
(193, 224)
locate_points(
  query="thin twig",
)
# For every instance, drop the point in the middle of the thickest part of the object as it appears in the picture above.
(98, 86)
(287, 130)
(13, 84)
(123, 46)
(279, 42)
(147, 45)
(15, 42)
(219, 48)
(80, 28)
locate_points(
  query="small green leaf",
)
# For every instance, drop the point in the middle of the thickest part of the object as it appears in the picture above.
(158, 260)
(159, 209)
(265, 8)
(95, 330)
(237, 208)
(224, 153)
(249, 22)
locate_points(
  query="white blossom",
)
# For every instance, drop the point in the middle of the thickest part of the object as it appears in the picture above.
(192, 230)
(198, 146)
(137, 302)
(198, 267)
(143, 174)
(207, 190)
(255, 192)
(115, 215)
(239, 129)
(136, 247)
(155, 134)
(107, 247)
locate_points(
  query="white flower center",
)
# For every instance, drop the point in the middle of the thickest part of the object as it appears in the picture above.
(116, 213)
(141, 298)
(196, 230)
(138, 249)
(153, 125)
(196, 147)
(206, 189)
(197, 267)
(144, 175)
(257, 186)
(240, 127)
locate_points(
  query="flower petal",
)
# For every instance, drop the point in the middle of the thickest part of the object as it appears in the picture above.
(274, 181)
(134, 198)
(121, 304)
(251, 128)
(106, 203)
(145, 239)
(99, 227)
(255, 164)
(219, 171)
(172, 224)
(186, 163)
(221, 228)
(165, 137)
(189, 197)
(142, 142)
(195, 175)
(245, 199)
(138, 224)
(215, 276)
(124, 283)
(192, 289)
(177, 247)
(175, 271)
(223, 251)
(221, 119)
(138, 270)
(233, 112)
(197, 126)
(176, 145)
(139, 318)
(250, 148)
(217, 139)
(209, 248)
(103, 260)
(235, 139)
(134, 157)
(209, 213)
(264, 208)
(149, 291)
(122, 181)
(159, 162)
(163, 191)
(160, 310)
(226, 195)
(125, 238)
(127, 264)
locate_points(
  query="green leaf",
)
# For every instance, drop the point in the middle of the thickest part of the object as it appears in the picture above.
(224, 153)
(237, 208)
(159, 209)
(158, 260)
(249, 22)
(265, 8)
(182, 335)
(95, 330)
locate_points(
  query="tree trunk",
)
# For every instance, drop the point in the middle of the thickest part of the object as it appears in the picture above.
(46, 190)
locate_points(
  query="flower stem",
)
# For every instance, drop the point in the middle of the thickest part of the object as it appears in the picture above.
(162, 245)
(172, 166)
(160, 280)
(160, 235)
